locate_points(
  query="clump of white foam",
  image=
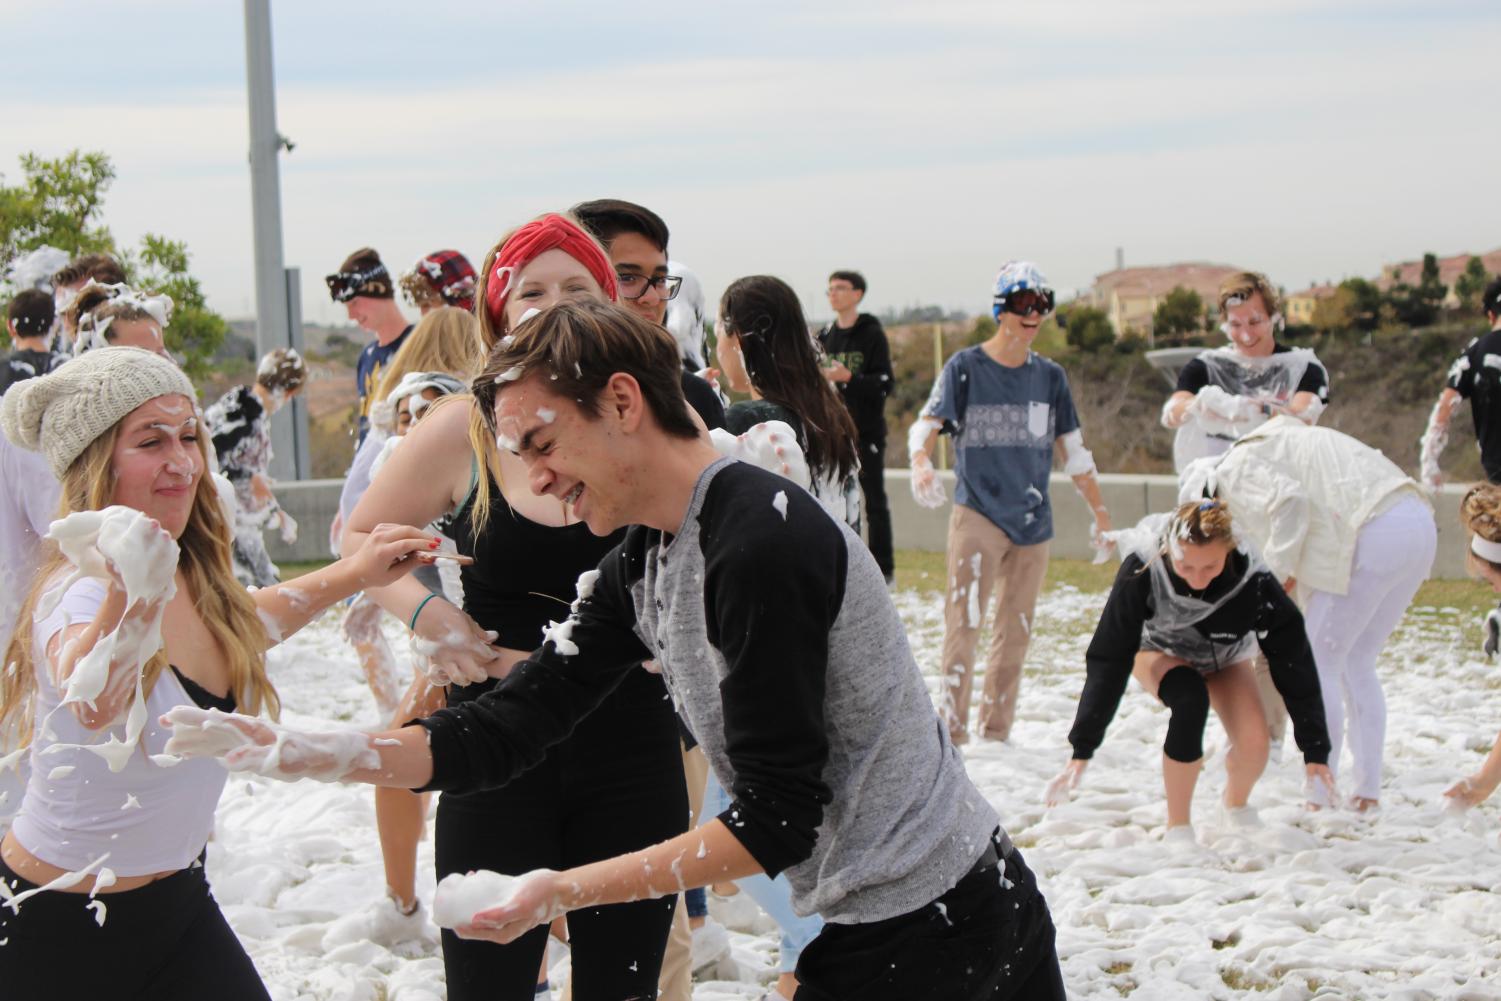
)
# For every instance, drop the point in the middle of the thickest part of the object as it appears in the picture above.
(122, 546)
(560, 635)
(461, 896)
(772, 445)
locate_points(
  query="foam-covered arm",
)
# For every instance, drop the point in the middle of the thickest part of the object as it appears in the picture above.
(1436, 438)
(1176, 410)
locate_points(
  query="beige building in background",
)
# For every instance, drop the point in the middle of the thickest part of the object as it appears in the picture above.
(1449, 269)
(1299, 306)
(1129, 296)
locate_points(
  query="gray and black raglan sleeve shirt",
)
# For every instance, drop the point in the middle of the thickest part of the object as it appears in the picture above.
(782, 649)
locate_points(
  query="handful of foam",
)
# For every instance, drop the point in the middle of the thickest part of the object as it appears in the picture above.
(126, 548)
(772, 445)
(461, 896)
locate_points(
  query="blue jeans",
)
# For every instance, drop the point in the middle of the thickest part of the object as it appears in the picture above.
(773, 895)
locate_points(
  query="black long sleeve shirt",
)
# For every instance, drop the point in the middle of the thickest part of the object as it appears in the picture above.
(1261, 606)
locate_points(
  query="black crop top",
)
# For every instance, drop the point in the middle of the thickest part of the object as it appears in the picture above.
(524, 574)
(202, 697)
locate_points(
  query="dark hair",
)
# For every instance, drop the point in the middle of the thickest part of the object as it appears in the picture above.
(31, 312)
(607, 218)
(1490, 299)
(580, 345)
(764, 314)
(100, 267)
(855, 278)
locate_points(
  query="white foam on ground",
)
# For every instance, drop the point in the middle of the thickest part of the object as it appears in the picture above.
(1330, 905)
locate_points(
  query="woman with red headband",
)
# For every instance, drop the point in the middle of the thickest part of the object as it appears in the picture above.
(616, 785)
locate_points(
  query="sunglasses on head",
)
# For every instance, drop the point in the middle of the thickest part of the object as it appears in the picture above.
(1025, 302)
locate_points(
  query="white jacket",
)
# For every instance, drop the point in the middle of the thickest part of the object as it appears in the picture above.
(1300, 495)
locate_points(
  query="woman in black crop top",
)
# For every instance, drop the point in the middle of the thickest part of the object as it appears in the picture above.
(616, 785)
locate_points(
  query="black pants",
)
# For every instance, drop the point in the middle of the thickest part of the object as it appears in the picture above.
(615, 786)
(876, 510)
(991, 939)
(166, 941)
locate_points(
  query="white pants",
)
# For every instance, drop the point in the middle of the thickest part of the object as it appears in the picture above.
(1393, 554)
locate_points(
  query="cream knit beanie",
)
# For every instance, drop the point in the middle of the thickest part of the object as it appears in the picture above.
(60, 413)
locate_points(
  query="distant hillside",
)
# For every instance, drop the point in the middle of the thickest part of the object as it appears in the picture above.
(1383, 388)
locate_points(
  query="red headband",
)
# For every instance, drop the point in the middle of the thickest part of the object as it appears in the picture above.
(551, 232)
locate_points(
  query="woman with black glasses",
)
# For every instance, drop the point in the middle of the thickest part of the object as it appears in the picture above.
(1009, 411)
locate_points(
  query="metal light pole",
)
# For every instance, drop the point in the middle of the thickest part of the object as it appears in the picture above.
(275, 285)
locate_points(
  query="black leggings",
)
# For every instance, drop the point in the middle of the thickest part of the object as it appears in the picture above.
(615, 786)
(992, 939)
(877, 510)
(166, 941)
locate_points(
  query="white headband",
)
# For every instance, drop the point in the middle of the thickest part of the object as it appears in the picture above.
(1485, 549)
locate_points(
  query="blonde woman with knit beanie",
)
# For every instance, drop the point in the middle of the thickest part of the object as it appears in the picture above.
(134, 610)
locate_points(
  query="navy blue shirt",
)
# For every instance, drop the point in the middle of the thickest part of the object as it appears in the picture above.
(1004, 422)
(367, 373)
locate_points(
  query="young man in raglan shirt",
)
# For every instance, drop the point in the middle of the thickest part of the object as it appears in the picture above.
(1009, 410)
(860, 370)
(778, 640)
(364, 286)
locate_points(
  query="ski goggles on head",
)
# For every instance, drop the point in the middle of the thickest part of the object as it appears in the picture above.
(1026, 301)
(345, 285)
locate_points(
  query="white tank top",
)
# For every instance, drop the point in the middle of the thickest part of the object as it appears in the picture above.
(146, 817)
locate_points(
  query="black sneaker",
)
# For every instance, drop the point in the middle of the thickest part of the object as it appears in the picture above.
(1492, 628)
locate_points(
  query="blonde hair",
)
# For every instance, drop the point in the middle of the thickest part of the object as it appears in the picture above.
(1480, 514)
(224, 605)
(1244, 284)
(443, 341)
(481, 438)
(1201, 522)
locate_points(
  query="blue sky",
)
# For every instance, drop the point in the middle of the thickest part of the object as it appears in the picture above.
(922, 143)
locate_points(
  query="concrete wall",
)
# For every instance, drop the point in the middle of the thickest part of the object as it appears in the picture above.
(1129, 497)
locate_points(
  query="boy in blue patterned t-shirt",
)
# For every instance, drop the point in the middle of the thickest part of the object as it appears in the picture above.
(1009, 411)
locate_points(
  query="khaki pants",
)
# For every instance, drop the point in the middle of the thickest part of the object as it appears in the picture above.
(676, 980)
(982, 557)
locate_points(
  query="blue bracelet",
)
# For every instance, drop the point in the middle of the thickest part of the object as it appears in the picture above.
(423, 604)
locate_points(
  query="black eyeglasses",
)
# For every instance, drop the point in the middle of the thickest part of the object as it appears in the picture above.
(1025, 302)
(635, 286)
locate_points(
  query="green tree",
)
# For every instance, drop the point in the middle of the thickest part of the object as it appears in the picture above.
(196, 331)
(1469, 285)
(1178, 315)
(1419, 305)
(56, 203)
(59, 202)
(1086, 328)
(1356, 304)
